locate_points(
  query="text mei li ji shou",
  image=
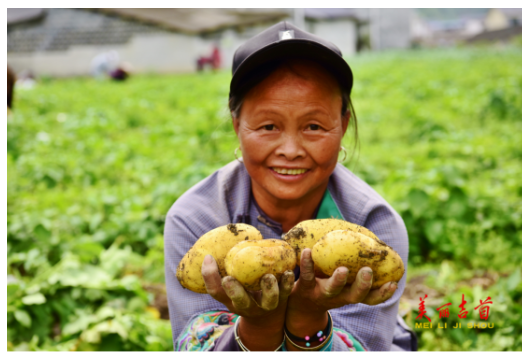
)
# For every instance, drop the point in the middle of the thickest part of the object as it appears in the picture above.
(444, 312)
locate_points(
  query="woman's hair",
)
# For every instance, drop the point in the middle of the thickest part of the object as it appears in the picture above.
(10, 84)
(237, 97)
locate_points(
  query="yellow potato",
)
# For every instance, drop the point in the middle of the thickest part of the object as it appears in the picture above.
(249, 261)
(305, 234)
(354, 250)
(218, 243)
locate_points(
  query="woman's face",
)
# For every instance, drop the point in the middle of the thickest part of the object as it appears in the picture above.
(290, 129)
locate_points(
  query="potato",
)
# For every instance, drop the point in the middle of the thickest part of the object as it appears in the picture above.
(218, 243)
(305, 234)
(354, 250)
(250, 260)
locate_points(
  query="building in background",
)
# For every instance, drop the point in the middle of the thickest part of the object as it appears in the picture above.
(450, 27)
(342, 27)
(64, 42)
(354, 30)
(501, 26)
(389, 29)
(500, 19)
(445, 27)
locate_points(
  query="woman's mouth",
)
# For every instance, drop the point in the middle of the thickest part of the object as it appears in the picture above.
(289, 171)
(289, 175)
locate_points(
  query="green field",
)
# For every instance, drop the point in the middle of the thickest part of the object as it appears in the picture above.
(93, 167)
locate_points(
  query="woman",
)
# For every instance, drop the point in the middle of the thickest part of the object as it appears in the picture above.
(290, 105)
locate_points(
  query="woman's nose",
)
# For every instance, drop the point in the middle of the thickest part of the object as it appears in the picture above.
(291, 147)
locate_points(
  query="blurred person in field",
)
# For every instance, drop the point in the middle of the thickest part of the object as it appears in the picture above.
(214, 60)
(10, 86)
(104, 64)
(122, 72)
(25, 80)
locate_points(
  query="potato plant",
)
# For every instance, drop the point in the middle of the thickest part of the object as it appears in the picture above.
(93, 167)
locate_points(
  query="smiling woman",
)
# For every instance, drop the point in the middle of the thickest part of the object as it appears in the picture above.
(290, 106)
(290, 128)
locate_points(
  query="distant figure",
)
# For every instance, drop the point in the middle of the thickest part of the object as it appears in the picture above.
(213, 60)
(122, 72)
(119, 74)
(11, 78)
(104, 63)
(25, 80)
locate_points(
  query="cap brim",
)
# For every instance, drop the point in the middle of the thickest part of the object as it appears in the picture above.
(296, 48)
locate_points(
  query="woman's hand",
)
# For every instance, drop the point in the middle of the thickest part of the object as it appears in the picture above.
(232, 294)
(262, 313)
(312, 297)
(311, 293)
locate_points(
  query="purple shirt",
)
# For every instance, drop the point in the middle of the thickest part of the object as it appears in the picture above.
(225, 197)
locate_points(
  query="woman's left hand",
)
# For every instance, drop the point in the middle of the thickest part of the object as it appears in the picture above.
(321, 294)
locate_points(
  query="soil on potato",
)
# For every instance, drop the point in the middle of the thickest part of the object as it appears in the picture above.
(297, 233)
(233, 229)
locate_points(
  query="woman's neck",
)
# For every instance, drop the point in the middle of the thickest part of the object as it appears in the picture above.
(289, 212)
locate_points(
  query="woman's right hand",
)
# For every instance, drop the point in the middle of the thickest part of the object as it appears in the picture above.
(313, 294)
(232, 294)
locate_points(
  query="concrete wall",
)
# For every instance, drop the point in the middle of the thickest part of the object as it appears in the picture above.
(61, 28)
(388, 28)
(66, 40)
(393, 29)
(149, 52)
(342, 33)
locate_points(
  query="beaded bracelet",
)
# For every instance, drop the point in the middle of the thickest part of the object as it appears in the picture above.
(325, 346)
(321, 336)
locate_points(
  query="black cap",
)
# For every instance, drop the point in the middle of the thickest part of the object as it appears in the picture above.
(285, 40)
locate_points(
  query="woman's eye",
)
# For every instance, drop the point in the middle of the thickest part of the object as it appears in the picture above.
(314, 127)
(269, 127)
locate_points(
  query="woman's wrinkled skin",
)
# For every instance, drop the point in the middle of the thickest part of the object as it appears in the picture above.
(291, 120)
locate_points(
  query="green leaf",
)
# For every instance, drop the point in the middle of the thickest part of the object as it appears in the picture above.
(456, 204)
(95, 221)
(79, 324)
(12, 289)
(32, 299)
(434, 230)
(88, 276)
(418, 200)
(23, 318)
(514, 279)
(88, 250)
(41, 233)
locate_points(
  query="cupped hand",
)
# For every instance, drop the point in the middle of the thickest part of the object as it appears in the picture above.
(232, 294)
(321, 294)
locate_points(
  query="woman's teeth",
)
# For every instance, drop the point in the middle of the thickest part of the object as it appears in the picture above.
(285, 171)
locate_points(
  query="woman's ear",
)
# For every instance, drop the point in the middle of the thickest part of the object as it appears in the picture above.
(235, 121)
(345, 122)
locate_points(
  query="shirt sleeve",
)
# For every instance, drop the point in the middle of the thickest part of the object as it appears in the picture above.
(203, 332)
(374, 326)
(187, 220)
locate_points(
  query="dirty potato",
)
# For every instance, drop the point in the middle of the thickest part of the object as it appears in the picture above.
(355, 250)
(249, 261)
(218, 243)
(305, 234)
